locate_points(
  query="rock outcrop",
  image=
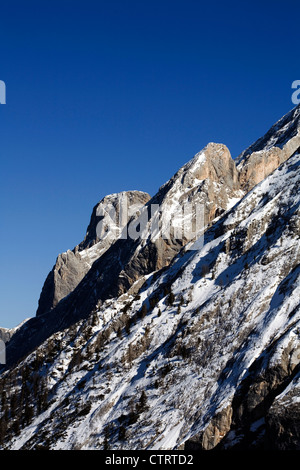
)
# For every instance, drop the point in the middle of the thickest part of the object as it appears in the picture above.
(283, 418)
(71, 266)
(5, 334)
(268, 152)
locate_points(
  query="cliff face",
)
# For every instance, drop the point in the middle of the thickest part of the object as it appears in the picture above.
(71, 266)
(166, 343)
(268, 152)
(5, 334)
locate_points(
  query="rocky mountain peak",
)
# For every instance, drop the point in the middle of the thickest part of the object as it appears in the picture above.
(162, 346)
(108, 211)
(215, 162)
(268, 152)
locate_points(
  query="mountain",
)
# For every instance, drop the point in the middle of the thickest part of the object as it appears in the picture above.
(165, 342)
(210, 180)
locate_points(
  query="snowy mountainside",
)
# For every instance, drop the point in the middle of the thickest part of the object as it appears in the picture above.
(168, 343)
(206, 355)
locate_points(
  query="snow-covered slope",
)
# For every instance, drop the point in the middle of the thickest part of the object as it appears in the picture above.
(203, 354)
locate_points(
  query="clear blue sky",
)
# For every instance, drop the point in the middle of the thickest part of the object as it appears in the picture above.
(105, 96)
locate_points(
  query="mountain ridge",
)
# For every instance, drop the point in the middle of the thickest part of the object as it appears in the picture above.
(168, 344)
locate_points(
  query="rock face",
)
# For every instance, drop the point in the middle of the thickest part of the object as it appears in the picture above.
(283, 419)
(268, 152)
(5, 334)
(167, 344)
(217, 429)
(210, 178)
(71, 266)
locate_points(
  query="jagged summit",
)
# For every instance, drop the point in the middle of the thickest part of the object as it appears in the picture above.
(278, 135)
(160, 346)
(71, 266)
(268, 152)
(213, 163)
(134, 200)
